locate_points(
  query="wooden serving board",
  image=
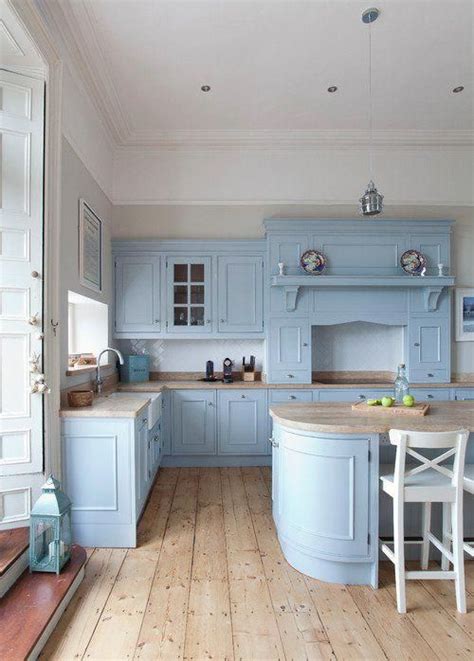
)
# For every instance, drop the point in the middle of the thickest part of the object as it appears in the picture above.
(396, 409)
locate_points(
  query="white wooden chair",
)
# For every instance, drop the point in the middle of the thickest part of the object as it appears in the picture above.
(468, 485)
(428, 482)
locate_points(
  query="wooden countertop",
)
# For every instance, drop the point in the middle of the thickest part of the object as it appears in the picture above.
(108, 406)
(339, 418)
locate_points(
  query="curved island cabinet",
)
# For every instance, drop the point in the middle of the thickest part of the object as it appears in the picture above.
(326, 483)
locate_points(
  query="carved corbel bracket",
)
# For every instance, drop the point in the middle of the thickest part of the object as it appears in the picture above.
(431, 297)
(290, 294)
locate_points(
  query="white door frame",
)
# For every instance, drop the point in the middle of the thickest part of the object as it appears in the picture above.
(33, 24)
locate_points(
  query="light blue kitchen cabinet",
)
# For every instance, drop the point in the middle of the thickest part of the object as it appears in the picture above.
(434, 395)
(193, 420)
(156, 447)
(288, 396)
(240, 294)
(137, 294)
(464, 394)
(188, 295)
(242, 422)
(429, 349)
(289, 350)
(142, 467)
(353, 395)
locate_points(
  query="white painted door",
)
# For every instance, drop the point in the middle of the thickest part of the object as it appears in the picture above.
(21, 295)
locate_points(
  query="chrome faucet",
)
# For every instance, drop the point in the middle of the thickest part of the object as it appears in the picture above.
(99, 381)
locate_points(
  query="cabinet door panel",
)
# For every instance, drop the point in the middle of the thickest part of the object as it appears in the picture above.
(188, 295)
(429, 350)
(243, 422)
(290, 351)
(137, 294)
(193, 422)
(240, 294)
(320, 470)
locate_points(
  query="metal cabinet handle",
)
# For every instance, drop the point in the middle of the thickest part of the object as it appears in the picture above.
(223, 321)
(144, 420)
(242, 396)
(210, 404)
(305, 344)
(290, 376)
(430, 375)
(417, 344)
(291, 396)
(157, 321)
(208, 321)
(361, 396)
(430, 396)
(273, 443)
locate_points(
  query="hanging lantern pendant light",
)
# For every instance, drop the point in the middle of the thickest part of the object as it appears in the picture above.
(371, 203)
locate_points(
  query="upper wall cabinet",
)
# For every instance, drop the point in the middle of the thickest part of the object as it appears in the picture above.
(137, 294)
(188, 295)
(240, 294)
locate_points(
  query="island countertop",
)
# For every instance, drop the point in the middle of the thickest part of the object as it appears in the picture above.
(339, 418)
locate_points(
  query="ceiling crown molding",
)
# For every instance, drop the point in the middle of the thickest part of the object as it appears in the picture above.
(294, 139)
(74, 26)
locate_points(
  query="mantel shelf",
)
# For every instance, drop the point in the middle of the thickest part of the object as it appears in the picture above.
(432, 286)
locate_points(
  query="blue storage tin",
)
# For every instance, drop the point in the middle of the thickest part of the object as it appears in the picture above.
(135, 368)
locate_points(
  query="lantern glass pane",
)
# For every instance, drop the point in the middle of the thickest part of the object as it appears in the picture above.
(66, 536)
(44, 547)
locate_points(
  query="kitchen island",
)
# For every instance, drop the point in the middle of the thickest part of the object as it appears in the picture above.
(325, 485)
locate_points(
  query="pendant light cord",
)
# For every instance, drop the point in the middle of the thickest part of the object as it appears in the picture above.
(370, 106)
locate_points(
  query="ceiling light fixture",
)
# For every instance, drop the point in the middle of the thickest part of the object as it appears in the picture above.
(371, 203)
(205, 88)
(332, 89)
(458, 89)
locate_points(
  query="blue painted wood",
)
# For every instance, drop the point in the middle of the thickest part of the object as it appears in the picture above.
(464, 394)
(429, 349)
(333, 537)
(193, 416)
(137, 294)
(240, 294)
(142, 469)
(354, 394)
(289, 351)
(242, 422)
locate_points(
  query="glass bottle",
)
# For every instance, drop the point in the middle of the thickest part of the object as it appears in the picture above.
(402, 387)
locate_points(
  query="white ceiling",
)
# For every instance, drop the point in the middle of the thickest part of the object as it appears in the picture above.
(269, 64)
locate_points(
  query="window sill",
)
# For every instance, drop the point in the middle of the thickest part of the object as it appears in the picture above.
(85, 369)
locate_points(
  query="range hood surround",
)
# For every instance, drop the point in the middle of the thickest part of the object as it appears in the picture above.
(430, 286)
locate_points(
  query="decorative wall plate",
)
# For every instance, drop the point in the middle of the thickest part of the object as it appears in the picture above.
(413, 262)
(313, 262)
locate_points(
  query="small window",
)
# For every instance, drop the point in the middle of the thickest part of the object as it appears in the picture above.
(88, 329)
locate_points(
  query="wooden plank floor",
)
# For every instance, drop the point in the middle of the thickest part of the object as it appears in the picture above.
(208, 580)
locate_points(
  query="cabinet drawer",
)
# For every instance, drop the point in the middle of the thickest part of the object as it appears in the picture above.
(437, 394)
(291, 376)
(466, 394)
(427, 376)
(352, 395)
(288, 396)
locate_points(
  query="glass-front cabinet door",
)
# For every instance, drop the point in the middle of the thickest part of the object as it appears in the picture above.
(188, 295)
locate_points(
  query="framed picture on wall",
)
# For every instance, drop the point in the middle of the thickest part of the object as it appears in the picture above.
(90, 247)
(465, 314)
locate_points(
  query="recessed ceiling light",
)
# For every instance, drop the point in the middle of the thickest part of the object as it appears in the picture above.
(456, 90)
(205, 88)
(332, 89)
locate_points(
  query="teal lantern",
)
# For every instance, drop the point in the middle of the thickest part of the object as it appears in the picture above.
(50, 529)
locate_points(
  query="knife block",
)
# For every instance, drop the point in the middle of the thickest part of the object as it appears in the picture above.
(248, 376)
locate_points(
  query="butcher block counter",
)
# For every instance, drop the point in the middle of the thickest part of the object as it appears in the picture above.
(339, 418)
(325, 482)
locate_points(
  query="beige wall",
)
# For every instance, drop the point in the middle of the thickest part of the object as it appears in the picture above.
(245, 221)
(78, 183)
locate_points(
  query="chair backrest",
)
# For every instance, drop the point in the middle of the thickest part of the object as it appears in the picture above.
(453, 444)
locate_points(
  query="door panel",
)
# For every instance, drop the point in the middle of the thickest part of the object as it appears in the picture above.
(243, 422)
(240, 294)
(193, 422)
(290, 351)
(21, 294)
(188, 295)
(429, 348)
(137, 298)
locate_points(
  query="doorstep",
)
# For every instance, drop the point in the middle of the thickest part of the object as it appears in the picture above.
(32, 607)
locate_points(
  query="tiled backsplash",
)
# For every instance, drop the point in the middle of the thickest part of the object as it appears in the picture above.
(357, 346)
(191, 355)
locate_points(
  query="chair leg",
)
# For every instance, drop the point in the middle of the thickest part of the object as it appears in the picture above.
(399, 550)
(446, 533)
(425, 548)
(458, 554)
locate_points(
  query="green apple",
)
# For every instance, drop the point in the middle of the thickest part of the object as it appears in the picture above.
(409, 400)
(373, 402)
(387, 402)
